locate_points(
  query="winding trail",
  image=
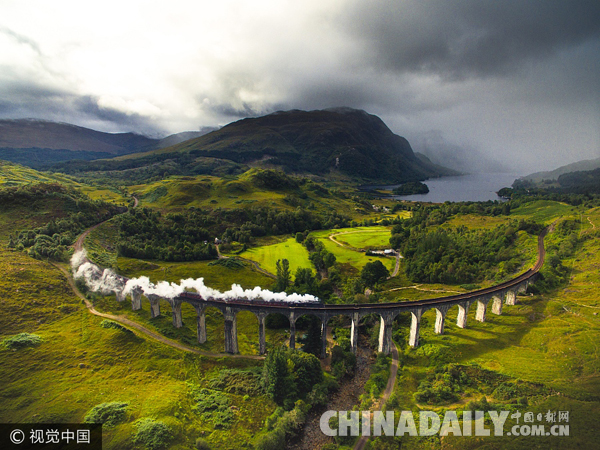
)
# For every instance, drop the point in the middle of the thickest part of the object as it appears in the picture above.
(257, 267)
(591, 223)
(335, 241)
(389, 388)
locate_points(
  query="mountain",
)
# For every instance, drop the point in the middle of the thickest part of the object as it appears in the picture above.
(178, 138)
(345, 140)
(40, 143)
(587, 164)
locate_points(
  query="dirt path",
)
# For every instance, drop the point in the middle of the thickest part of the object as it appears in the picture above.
(78, 246)
(257, 267)
(591, 223)
(343, 400)
(416, 286)
(397, 266)
(142, 329)
(335, 241)
(362, 441)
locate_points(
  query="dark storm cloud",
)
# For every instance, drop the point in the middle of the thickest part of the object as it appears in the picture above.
(514, 80)
(468, 37)
(31, 100)
(88, 105)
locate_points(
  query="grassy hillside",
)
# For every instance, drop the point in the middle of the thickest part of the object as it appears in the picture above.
(80, 364)
(246, 191)
(17, 175)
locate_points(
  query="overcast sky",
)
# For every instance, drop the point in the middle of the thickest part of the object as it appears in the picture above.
(518, 80)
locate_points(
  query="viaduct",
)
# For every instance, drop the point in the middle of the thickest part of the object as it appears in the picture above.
(498, 295)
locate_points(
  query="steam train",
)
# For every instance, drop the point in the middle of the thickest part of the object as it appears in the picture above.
(244, 301)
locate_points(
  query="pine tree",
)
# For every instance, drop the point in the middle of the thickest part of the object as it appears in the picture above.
(283, 275)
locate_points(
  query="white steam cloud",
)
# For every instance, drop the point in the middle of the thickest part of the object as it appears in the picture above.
(107, 281)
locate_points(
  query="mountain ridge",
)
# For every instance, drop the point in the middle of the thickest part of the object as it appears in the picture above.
(344, 139)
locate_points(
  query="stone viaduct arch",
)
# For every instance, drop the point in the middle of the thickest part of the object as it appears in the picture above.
(494, 297)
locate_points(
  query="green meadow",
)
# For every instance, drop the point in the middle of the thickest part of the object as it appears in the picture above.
(364, 237)
(355, 258)
(545, 211)
(268, 255)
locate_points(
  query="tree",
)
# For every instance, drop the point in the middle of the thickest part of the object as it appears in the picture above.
(372, 272)
(276, 376)
(306, 369)
(305, 282)
(329, 259)
(283, 275)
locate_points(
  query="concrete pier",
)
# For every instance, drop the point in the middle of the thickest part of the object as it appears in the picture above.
(231, 341)
(354, 333)
(463, 311)
(201, 323)
(323, 338)
(154, 305)
(385, 334)
(415, 324)
(511, 298)
(497, 305)
(440, 319)
(136, 299)
(176, 307)
(481, 310)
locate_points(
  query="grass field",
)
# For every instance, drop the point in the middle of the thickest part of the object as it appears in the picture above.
(472, 221)
(267, 256)
(352, 257)
(365, 237)
(548, 341)
(15, 175)
(545, 211)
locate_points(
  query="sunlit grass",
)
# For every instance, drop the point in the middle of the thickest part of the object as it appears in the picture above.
(267, 256)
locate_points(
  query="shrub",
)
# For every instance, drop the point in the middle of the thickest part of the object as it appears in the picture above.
(236, 381)
(114, 325)
(274, 440)
(152, 434)
(201, 444)
(215, 407)
(108, 414)
(22, 340)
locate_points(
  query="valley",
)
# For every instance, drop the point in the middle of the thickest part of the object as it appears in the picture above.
(73, 353)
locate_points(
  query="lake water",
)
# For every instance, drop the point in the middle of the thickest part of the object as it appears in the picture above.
(477, 187)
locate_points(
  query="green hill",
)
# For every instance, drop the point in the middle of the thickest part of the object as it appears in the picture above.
(587, 164)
